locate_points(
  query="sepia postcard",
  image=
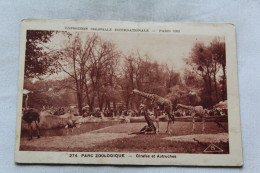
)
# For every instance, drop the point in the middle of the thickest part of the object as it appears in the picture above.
(128, 93)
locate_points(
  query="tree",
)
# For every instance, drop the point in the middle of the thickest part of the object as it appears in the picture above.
(206, 62)
(73, 60)
(47, 93)
(127, 79)
(111, 83)
(201, 62)
(36, 62)
(145, 75)
(219, 52)
(103, 61)
(87, 62)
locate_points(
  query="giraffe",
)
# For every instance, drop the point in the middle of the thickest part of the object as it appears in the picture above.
(194, 110)
(163, 103)
(150, 128)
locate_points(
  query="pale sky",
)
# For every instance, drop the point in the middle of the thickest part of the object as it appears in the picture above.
(164, 48)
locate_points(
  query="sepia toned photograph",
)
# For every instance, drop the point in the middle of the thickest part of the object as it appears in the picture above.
(111, 91)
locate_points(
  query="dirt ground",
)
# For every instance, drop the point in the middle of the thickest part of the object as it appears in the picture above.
(206, 138)
(68, 143)
(115, 138)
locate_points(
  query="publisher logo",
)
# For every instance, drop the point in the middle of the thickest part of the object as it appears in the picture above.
(213, 148)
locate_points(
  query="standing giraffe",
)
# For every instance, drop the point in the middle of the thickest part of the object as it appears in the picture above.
(163, 103)
(194, 110)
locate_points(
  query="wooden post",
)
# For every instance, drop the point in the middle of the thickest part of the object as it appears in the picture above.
(203, 122)
(193, 121)
(26, 100)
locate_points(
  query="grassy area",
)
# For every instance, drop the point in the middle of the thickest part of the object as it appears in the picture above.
(155, 143)
(152, 144)
(179, 128)
(115, 139)
(85, 127)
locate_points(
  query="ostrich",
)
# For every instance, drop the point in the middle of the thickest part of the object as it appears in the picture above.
(30, 116)
(71, 124)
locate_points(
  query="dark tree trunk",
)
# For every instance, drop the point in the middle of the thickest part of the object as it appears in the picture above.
(108, 104)
(101, 102)
(114, 108)
(127, 104)
(80, 102)
(114, 105)
(216, 89)
(91, 104)
(224, 87)
(209, 90)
